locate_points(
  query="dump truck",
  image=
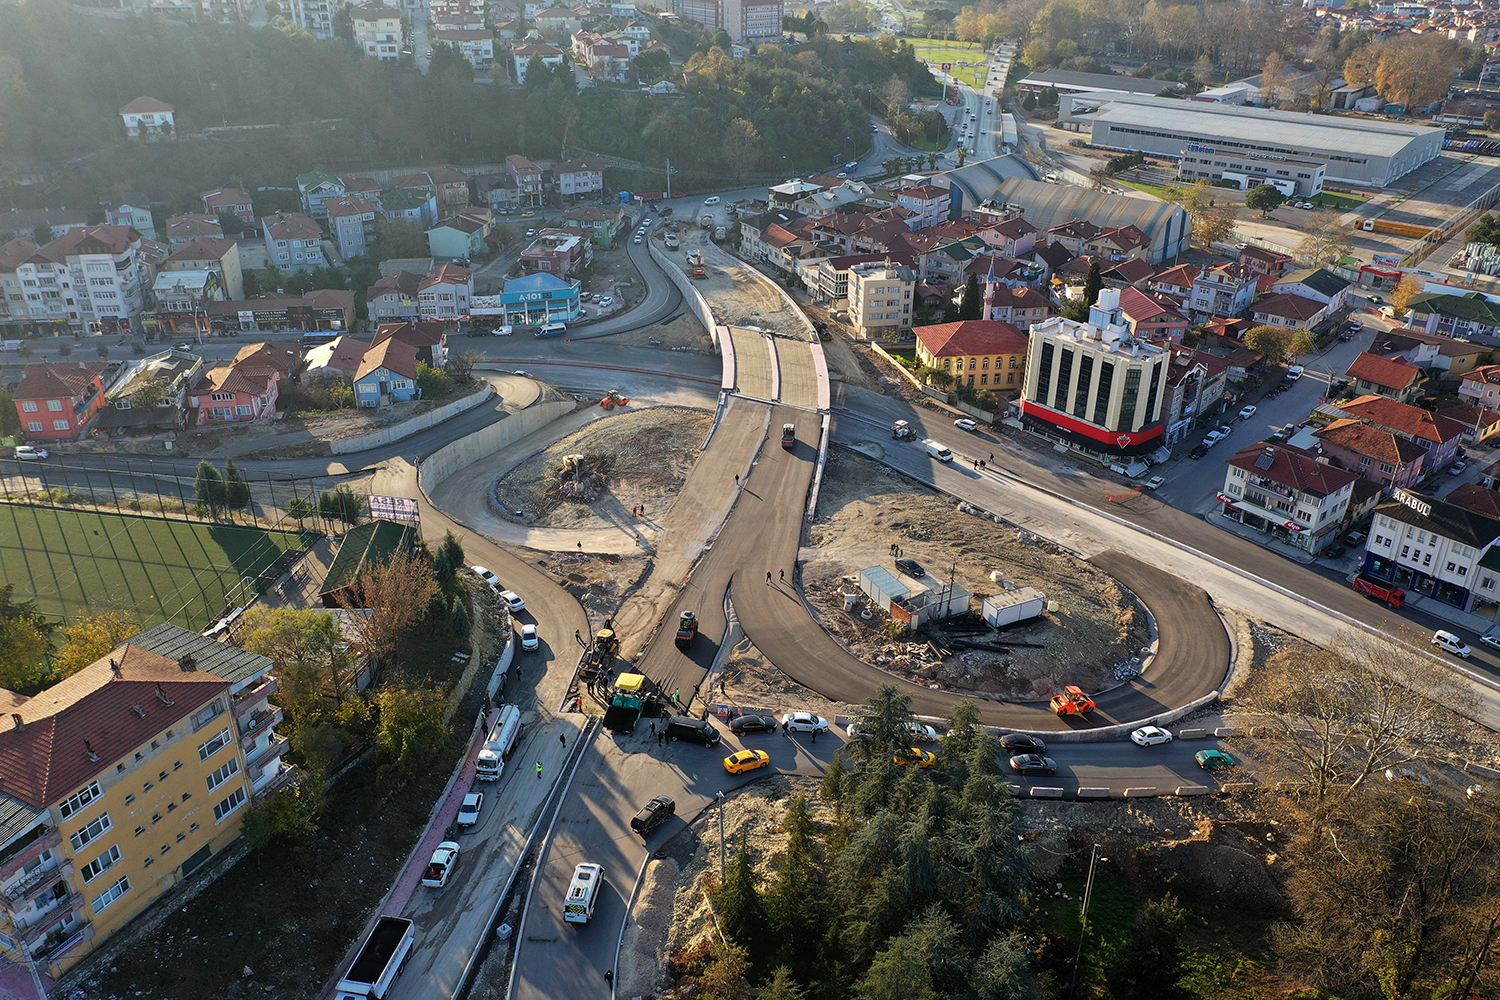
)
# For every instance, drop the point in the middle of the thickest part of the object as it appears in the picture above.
(624, 709)
(720, 234)
(599, 657)
(901, 430)
(789, 436)
(687, 629)
(672, 241)
(698, 270)
(380, 960)
(1396, 228)
(1392, 595)
(1071, 702)
(707, 222)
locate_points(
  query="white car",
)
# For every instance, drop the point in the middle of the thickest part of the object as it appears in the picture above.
(637, 238)
(30, 453)
(965, 424)
(468, 813)
(1154, 483)
(444, 860)
(606, 302)
(1149, 736)
(487, 576)
(513, 601)
(529, 638)
(1246, 412)
(922, 733)
(1295, 372)
(1491, 640)
(804, 722)
(711, 201)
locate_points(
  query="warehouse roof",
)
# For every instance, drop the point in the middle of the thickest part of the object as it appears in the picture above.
(1064, 79)
(1048, 206)
(1208, 121)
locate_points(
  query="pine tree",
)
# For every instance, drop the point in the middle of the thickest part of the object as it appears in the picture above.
(973, 303)
(458, 619)
(742, 913)
(209, 489)
(1149, 966)
(236, 489)
(782, 986)
(1092, 284)
(449, 559)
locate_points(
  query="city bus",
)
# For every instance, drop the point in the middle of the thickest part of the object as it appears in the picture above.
(582, 893)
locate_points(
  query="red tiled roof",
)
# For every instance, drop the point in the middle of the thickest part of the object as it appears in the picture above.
(1384, 371)
(291, 226)
(1476, 498)
(203, 248)
(1130, 270)
(283, 357)
(59, 381)
(1140, 307)
(1403, 418)
(447, 274)
(1488, 374)
(391, 353)
(971, 337)
(1293, 468)
(15, 253)
(1285, 305)
(1367, 439)
(242, 379)
(107, 711)
(403, 283)
(1181, 276)
(145, 105)
(1022, 298)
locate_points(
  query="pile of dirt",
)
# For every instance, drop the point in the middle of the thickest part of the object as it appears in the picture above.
(645, 456)
(598, 582)
(864, 508)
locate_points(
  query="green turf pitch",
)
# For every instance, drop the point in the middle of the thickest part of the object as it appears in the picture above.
(84, 562)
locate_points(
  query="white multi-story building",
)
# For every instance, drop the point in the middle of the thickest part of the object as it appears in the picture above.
(148, 118)
(928, 204)
(377, 30)
(1226, 290)
(351, 222)
(579, 178)
(315, 16)
(476, 44)
(137, 217)
(445, 293)
(1433, 548)
(89, 279)
(1296, 495)
(880, 298)
(1094, 386)
(293, 242)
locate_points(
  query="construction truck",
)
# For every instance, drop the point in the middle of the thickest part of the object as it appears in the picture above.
(1380, 590)
(599, 657)
(707, 222)
(901, 430)
(698, 270)
(789, 436)
(687, 629)
(613, 399)
(624, 709)
(1072, 702)
(672, 241)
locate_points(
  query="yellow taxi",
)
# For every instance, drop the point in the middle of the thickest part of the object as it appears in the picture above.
(746, 760)
(912, 755)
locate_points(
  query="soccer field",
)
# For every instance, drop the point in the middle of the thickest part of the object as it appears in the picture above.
(935, 52)
(85, 562)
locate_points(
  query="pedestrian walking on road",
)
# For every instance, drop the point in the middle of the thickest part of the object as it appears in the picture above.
(815, 736)
(658, 739)
(992, 456)
(736, 479)
(677, 696)
(783, 575)
(653, 729)
(580, 546)
(578, 636)
(538, 769)
(609, 976)
(768, 578)
(562, 738)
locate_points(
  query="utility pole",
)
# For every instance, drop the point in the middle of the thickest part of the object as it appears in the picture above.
(1083, 927)
(669, 180)
(720, 797)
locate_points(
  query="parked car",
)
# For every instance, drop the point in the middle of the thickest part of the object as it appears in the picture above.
(1150, 736)
(1294, 373)
(1450, 643)
(1457, 468)
(529, 638)
(531, 232)
(1335, 550)
(1023, 742)
(31, 453)
(607, 301)
(1491, 640)
(1198, 452)
(914, 756)
(488, 577)
(804, 722)
(746, 760)
(1154, 483)
(468, 812)
(1213, 760)
(1246, 412)
(911, 567)
(440, 868)
(513, 601)
(653, 814)
(1223, 430)
(965, 424)
(1032, 763)
(753, 724)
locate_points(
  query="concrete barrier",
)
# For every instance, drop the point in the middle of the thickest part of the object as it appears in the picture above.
(696, 303)
(406, 428)
(1093, 793)
(489, 439)
(1141, 793)
(1192, 734)
(1046, 793)
(1237, 787)
(1191, 790)
(1227, 732)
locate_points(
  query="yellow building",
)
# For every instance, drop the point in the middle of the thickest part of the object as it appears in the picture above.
(120, 781)
(981, 353)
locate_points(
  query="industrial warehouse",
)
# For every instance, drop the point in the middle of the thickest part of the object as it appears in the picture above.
(1354, 150)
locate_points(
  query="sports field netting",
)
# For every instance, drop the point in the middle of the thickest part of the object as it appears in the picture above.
(77, 563)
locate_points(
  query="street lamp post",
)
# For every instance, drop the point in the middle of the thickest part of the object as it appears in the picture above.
(720, 797)
(1083, 928)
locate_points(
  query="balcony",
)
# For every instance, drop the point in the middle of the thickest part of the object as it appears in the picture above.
(271, 751)
(261, 720)
(34, 883)
(51, 951)
(56, 916)
(43, 838)
(250, 698)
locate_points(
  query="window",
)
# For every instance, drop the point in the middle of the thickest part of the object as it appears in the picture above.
(54, 405)
(148, 786)
(205, 715)
(29, 406)
(214, 745)
(34, 425)
(73, 803)
(177, 766)
(101, 864)
(243, 410)
(60, 425)
(229, 805)
(88, 833)
(223, 774)
(140, 830)
(108, 896)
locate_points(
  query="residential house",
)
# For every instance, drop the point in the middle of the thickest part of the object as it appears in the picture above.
(1120, 244)
(498, 193)
(393, 298)
(429, 339)
(418, 208)
(387, 374)
(526, 177)
(315, 188)
(322, 309)
(169, 734)
(235, 393)
(365, 187)
(211, 254)
(443, 295)
(339, 358)
(149, 119)
(315, 17)
(1481, 424)
(1372, 374)
(880, 299)
(1295, 312)
(522, 53)
(1223, 290)
(94, 278)
(351, 222)
(1477, 498)
(14, 312)
(1434, 548)
(1481, 386)
(182, 299)
(1316, 283)
(1093, 387)
(293, 242)
(377, 30)
(1148, 318)
(578, 179)
(1438, 434)
(1375, 453)
(53, 222)
(455, 14)
(1074, 234)
(978, 353)
(1020, 307)
(1196, 383)
(1012, 237)
(186, 228)
(1263, 261)
(555, 251)
(1289, 493)
(59, 402)
(128, 413)
(1051, 257)
(235, 201)
(1468, 315)
(1430, 351)
(928, 204)
(477, 45)
(608, 59)
(137, 217)
(557, 22)
(450, 186)
(461, 235)
(601, 222)
(1175, 283)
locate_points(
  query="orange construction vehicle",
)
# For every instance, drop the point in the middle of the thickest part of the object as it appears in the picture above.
(1072, 702)
(697, 269)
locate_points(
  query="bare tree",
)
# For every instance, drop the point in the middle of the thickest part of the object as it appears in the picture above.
(1327, 239)
(396, 592)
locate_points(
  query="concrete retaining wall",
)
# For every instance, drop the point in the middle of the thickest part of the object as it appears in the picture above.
(696, 303)
(406, 428)
(487, 440)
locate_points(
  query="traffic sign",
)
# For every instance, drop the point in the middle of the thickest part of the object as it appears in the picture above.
(947, 67)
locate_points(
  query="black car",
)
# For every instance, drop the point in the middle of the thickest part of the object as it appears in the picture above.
(753, 724)
(1199, 451)
(911, 568)
(653, 814)
(1032, 763)
(1334, 551)
(1021, 743)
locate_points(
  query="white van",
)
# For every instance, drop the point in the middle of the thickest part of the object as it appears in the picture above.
(938, 451)
(1450, 643)
(552, 329)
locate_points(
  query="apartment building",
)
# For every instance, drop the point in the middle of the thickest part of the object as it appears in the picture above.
(293, 242)
(314, 16)
(1296, 495)
(121, 781)
(1435, 549)
(979, 353)
(526, 177)
(89, 279)
(351, 222)
(880, 298)
(377, 30)
(444, 294)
